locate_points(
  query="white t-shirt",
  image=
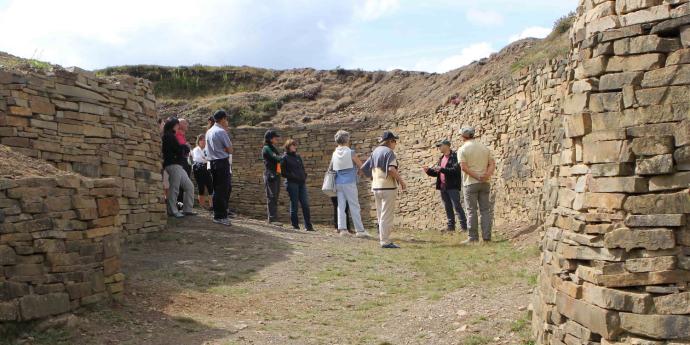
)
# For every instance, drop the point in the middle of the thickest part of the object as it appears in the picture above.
(198, 155)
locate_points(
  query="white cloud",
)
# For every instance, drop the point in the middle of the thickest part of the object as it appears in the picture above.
(533, 31)
(484, 17)
(466, 56)
(373, 9)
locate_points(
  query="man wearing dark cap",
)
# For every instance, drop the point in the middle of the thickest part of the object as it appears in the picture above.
(382, 167)
(271, 157)
(218, 150)
(478, 166)
(448, 183)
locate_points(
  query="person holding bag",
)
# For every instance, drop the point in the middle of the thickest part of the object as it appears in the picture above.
(346, 165)
(271, 158)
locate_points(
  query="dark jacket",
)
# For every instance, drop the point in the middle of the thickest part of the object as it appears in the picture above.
(173, 152)
(292, 168)
(452, 171)
(271, 157)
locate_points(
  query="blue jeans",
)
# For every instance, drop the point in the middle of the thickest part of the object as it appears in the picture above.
(451, 202)
(298, 194)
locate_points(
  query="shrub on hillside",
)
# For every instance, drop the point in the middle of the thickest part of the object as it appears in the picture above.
(563, 24)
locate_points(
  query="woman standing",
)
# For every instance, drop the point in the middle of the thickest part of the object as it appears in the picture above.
(201, 174)
(272, 159)
(173, 157)
(345, 163)
(292, 168)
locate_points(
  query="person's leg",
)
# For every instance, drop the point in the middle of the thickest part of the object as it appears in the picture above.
(378, 199)
(229, 190)
(334, 201)
(304, 202)
(342, 204)
(269, 196)
(471, 197)
(274, 186)
(188, 170)
(174, 176)
(352, 197)
(448, 206)
(486, 210)
(387, 215)
(456, 199)
(188, 188)
(293, 194)
(348, 223)
(219, 169)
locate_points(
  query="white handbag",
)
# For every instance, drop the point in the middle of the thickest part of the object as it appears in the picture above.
(328, 186)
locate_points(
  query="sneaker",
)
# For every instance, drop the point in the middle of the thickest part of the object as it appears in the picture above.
(343, 233)
(469, 241)
(178, 215)
(296, 228)
(191, 214)
(390, 246)
(310, 228)
(363, 234)
(223, 221)
(180, 205)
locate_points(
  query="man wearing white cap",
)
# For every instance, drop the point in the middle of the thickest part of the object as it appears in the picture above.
(478, 166)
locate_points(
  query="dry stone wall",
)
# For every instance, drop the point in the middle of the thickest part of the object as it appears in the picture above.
(615, 265)
(59, 245)
(92, 126)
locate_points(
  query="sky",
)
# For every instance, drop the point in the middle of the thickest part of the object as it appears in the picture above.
(421, 35)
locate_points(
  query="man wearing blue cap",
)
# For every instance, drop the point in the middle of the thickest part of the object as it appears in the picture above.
(478, 166)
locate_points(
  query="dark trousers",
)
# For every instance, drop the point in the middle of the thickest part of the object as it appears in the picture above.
(229, 190)
(451, 201)
(298, 194)
(220, 171)
(272, 187)
(334, 201)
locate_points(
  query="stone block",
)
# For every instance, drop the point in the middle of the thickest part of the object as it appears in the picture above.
(575, 103)
(603, 102)
(598, 320)
(598, 228)
(78, 290)
(577, 125)
(655, 220)
(651, 146)
(685, 36)
(642, 279)
(658, 203)
(612, 169)
(682, 133)
(591, 67)
(677, 303)
(645, 44)
(78, 92)
(606, 201)
(656, 165)
(630, 63)
(624, 7)
(650, 239)
(615, 151)
(671, 75)
(9, 311)
(659, 263)
(628, 184)
(616, 81)
(39, 306)
(111, 266)
(647, 15)
(615, 299)
(7, 255)
(108, 206)
(99, 232)
(656, 326)
(577, 252)
(670, 182)
(678, 57)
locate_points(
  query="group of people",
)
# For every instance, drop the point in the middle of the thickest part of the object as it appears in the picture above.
(461, 176)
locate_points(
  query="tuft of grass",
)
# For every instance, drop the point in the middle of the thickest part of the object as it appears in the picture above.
(476, 340)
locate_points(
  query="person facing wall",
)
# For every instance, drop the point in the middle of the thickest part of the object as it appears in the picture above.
(292, 168)
(346, 164)
(382, 167)
(478, 166)
(271, 158)
(173, 158)
(218, 149)
(449, 184)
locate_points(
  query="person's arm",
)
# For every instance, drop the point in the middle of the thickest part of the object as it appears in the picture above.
(356, 160)
(430, 172)
(272, 155)
(393, 172)
(466, 170)
(284, 170)
(489, 170)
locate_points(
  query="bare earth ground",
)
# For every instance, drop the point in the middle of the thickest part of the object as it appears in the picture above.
(200, 283)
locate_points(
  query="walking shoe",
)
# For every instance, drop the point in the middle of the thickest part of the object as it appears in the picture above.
(390, 246)
(191, 214)
(296, 228)
(223, 221)
(310, 228)
(469, 241)
(362, 234)
(343, 233)
(178, 215)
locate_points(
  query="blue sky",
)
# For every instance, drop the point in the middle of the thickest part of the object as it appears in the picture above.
(428, 35)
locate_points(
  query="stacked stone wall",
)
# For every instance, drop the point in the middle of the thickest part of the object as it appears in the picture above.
(615, 265)
(59, 245)
(92, 126)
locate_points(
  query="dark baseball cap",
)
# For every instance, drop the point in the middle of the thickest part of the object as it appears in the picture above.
(270, 134)
(219, 115)
(443, 142)
(388, 135)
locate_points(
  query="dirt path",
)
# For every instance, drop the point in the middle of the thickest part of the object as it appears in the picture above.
(199, 283)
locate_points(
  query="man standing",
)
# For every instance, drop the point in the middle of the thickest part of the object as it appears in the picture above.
(382, 167)
(478, 165)
(448, 183)
(218, 149)
(271, 158)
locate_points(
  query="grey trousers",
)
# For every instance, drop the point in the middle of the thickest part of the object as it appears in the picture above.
(478, 200)
(272, 193)
(179, 179)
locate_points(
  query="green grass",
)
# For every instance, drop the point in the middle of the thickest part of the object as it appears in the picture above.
(476, 340)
